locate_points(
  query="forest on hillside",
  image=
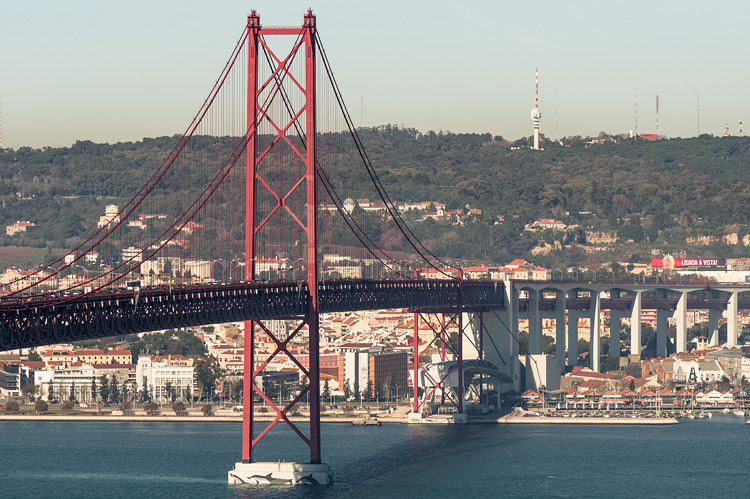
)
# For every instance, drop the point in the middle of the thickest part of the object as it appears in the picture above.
(653, 194)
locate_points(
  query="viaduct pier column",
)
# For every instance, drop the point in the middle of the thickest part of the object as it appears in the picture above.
(595, 355)
(635, 324)
(661, 327)
(615, 318)
(572, 338)
(680, 315)
(614, 328)
(560, 329)
(535, 323)
(512, 325)
(731, 314)
(713, 326)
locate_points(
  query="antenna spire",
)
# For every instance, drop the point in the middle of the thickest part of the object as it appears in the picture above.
(536, 116)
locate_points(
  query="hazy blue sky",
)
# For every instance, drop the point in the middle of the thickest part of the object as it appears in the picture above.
(119, 71)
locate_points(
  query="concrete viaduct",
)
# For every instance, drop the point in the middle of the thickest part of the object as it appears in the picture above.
(536, 301)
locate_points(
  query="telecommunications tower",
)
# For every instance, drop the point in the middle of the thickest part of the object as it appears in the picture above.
(536, 116)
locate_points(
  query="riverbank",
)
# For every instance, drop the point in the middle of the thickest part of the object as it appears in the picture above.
(522, 419)
(385, 419)
(183, 419)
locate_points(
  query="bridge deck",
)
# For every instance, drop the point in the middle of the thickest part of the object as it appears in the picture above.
(43, 321)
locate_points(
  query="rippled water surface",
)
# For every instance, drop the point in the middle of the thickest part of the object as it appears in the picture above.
(706, 458)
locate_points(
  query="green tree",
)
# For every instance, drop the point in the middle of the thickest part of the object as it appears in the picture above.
(178, 407)
(93, 389)
(379, 391)
(50, 393)
(326, 391)
(583, 346)
(207, 372)
(33, 356)
(144, 391)
(237, 389)
(151, 408)
(12, 406)
(68, 405)
(29, 391)
(611, 364)
(104, 388)
(126, 405)
(207, 410)
(171, 393)
(367, 392)
(40, 406)
(114, 391)
(347, 389)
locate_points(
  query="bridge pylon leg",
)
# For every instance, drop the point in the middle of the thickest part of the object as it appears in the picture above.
(436, 379)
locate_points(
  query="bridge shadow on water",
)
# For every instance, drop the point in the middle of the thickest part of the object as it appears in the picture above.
(398, 461)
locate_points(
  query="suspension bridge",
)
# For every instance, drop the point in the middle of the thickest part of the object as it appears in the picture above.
(265, 172)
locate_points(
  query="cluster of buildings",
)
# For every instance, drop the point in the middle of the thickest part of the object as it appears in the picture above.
(426, 209)
(713, 377)
(65, 372)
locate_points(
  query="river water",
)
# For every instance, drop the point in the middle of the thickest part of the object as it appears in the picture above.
(708, 458)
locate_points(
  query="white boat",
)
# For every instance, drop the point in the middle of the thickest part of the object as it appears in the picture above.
(739, 412)
(726, 410)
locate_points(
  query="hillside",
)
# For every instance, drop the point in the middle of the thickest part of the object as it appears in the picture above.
(658, 194)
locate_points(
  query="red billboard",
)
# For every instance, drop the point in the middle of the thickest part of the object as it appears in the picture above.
(669, 262)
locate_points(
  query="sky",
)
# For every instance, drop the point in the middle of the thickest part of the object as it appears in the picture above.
(120, 71)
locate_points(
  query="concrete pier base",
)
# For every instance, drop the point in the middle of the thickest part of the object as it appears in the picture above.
(414, 417)
(280, 474)
(459, 417)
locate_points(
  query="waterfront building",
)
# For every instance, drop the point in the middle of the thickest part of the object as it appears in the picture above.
(697, 370)
(62, 383)
(376, 365)
(158, 371)
(11, 379)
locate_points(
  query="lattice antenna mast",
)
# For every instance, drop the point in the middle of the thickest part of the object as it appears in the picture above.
(636, 115)
(657, 116)
(699, 113)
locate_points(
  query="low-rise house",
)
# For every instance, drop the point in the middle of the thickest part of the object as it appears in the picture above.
(19, 226)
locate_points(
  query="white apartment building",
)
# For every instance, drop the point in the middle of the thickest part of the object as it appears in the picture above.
(158, 371)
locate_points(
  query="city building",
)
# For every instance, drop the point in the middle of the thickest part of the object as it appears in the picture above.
(62, 383)
(19, 227)
(158, 372)
(376, 365)
(110, 215)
